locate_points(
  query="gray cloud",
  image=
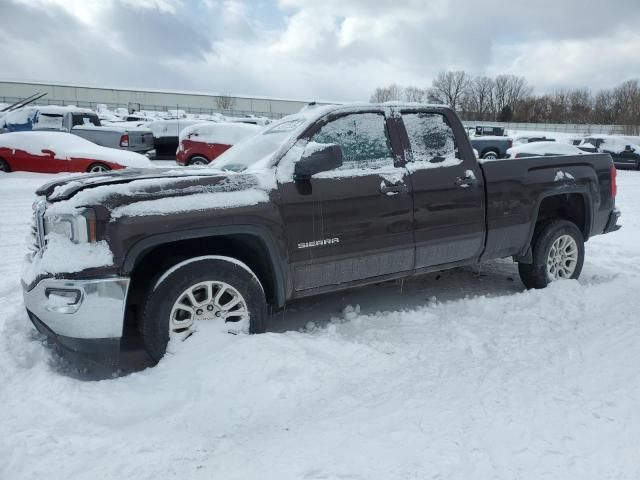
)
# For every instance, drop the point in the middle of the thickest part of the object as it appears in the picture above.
(335, 49)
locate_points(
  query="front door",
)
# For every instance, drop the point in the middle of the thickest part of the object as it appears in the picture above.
(354, 222)
(448, 192)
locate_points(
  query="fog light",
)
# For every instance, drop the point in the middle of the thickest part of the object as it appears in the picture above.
(63, 300)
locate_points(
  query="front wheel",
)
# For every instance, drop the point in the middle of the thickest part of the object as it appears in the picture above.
(558, 254)
(210, 289)
(98, 168)
(4, 166)
(198, 160)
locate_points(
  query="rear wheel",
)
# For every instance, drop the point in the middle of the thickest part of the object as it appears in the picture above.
(198, 160)
(490, 155)
(4, 166)
(210, 289)
(98, 168)
(558, 254)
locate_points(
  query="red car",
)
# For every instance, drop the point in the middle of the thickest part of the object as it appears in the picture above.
(54, 152)
(200, 144)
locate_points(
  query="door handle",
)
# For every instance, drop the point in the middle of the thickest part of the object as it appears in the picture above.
(466, 181)
(392, 189)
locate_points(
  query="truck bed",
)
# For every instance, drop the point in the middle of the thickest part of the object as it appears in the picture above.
(516, 188)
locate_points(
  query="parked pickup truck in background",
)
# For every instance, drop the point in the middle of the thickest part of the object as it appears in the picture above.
(625, 150)
(491, 148)
(81, 122)
(331, 198)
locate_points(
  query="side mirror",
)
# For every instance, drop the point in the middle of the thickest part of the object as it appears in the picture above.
(318, 157)
(46, 151)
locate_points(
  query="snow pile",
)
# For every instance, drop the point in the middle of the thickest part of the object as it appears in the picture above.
(62, 255)
(67, 145)
(220, 133)
(485, 380)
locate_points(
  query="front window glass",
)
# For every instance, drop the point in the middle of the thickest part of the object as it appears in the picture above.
(363, 138)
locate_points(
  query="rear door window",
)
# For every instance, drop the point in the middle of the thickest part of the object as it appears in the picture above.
(431, 139)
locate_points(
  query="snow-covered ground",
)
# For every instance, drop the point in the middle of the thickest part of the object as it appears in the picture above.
(458, 375)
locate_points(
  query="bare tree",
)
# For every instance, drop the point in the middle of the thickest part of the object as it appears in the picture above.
(386, 94)
(414, 94)
(480, 91)
(449, 87)
(510, 98)
(225, 102)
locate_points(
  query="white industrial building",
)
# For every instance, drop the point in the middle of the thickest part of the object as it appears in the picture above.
(152, 100)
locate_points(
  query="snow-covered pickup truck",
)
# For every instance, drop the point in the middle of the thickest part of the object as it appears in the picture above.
(331, 198)
(83, 123)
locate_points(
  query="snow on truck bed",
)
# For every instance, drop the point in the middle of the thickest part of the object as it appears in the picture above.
(456, 375)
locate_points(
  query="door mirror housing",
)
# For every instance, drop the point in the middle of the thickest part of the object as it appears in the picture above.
(318, 157)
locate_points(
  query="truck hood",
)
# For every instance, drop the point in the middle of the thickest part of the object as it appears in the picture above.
(66, 188)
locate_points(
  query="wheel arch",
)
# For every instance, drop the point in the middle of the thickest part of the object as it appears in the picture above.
(3, 159)
(573, 205)
(150, 257)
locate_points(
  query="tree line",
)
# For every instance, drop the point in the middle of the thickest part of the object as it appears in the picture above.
(509, 98)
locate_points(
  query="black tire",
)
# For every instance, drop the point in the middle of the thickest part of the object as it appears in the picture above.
(491, 154)
(535, 275)
(4, 166)
(98, 167)
(198, 160)
(154, 323)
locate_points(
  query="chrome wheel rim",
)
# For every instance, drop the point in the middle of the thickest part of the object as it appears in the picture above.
(98, 169)
(3, 167)
(562, 259)
(208, 301)
(199, 161)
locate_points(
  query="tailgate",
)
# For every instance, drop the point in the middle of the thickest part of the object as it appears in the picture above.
(140, 140)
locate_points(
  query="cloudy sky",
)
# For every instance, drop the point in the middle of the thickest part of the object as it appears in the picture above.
(316, 49)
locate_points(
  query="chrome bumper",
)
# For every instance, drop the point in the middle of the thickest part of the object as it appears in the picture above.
(82, 309)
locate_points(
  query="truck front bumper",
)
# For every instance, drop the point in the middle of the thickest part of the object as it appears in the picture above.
(83, 316)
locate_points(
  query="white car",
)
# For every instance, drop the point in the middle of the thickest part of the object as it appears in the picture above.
(541, 149)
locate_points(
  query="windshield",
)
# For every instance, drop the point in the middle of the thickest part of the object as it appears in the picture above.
(258, 147)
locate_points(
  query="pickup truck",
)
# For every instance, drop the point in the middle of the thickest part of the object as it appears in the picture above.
(491, 148)
(84, 123)
(624, 150)
(330, 198)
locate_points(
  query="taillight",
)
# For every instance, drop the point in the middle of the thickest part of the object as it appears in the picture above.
(124, 140)
(614, 181)
(517, 155)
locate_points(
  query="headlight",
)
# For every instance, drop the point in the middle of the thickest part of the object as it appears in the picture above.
(78, 228)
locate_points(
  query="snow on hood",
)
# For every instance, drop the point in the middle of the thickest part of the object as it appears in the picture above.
(143, 193)
(66, 146)
(221, 133)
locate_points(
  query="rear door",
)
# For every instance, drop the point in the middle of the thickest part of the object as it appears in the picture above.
(354, 222)
(447, 185)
